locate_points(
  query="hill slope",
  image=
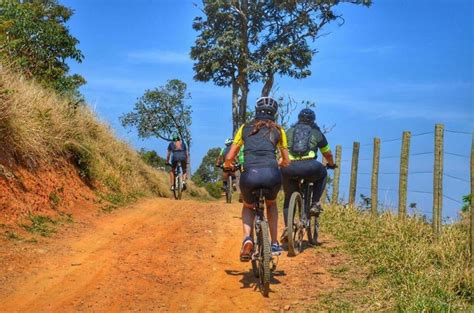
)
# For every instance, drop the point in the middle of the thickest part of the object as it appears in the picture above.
(57, 156)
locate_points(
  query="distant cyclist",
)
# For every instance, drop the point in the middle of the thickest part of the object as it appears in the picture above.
(304, 140)
(261, 137)
(177, 152)
(220, 162)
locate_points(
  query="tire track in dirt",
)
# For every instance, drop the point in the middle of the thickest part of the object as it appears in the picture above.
(161, 255)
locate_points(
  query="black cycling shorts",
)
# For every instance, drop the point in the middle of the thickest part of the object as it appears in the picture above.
(253, 179)
(174, 164)
(311, 170)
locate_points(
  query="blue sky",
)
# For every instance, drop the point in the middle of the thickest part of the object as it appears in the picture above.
(399, 65)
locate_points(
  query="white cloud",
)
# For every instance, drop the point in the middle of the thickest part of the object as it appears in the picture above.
(160, 57)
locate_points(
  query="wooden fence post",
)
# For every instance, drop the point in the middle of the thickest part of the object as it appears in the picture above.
(402, 186)
(375, 177)
(472, 211)
(337, 175)
(355, 163)
(438, 179)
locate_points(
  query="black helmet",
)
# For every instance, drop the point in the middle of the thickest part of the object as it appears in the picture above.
(266, 108)
(306, 116)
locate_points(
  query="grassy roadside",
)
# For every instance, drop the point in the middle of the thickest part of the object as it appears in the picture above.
(398, 265)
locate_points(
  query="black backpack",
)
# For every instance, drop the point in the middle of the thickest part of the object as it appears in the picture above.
(301, 140)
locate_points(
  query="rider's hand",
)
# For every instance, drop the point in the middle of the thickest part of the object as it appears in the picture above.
(334, 166)
(228, 165)
(283, 163)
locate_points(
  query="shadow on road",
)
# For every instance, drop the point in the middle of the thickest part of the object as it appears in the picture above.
(248, 280)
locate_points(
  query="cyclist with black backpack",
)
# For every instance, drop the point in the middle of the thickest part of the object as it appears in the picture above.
(304, 140)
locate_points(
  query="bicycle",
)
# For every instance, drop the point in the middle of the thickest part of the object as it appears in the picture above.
(178, 181)
(262, 260)
(229, 189)
(300, 220)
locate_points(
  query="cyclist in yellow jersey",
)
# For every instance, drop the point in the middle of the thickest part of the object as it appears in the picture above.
(261, 138)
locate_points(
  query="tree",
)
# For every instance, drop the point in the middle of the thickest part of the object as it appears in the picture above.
(207, 175)
(242, 41)
(161, 112)
(207, 171)
(152, 158)
(35, 40)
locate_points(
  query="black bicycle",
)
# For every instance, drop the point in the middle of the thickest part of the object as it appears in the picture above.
(230, 188)
(300, 221)
(262, 260)
(178, 181)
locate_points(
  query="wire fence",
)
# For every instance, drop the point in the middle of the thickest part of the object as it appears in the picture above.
(438, 171)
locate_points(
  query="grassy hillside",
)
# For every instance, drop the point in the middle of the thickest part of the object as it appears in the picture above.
(38, 128)
(399, 265)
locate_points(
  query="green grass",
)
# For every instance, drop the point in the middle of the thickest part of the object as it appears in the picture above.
(45, 226)
(399, 265)
(42, 225)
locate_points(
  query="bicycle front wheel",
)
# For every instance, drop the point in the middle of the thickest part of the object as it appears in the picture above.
(295, 224)
(264, 258)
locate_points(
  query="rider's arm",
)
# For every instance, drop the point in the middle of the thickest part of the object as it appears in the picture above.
(323, 146)
(229, 158)
(168, 155)
(234, 148)
(283, 146)
(219, 157)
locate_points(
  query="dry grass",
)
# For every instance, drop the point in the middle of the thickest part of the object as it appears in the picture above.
(36, 127)
(404, 268)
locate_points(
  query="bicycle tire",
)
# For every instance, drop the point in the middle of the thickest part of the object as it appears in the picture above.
(265, 257)
(180, 186)
(228, 191)
(175, 186)
(313, 231)
(254, 260)
(295, 228)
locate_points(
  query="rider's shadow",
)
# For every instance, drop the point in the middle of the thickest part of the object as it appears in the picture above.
(248, 279)
(306, 245)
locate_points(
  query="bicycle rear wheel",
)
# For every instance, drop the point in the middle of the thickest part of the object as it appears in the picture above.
(228, 191)
(295, 227)
(180, 186)
(312, 229)
(264, 258)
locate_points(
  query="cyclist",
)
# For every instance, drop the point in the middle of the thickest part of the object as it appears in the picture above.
(177, 148)
(304, 140)
(260, 170)
(220, 161)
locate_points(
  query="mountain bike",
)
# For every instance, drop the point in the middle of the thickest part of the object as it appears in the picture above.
(300, 221)
(229, 189)
(262, 260)
(178, 181)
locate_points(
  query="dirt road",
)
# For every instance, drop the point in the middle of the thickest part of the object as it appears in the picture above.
(157, 255)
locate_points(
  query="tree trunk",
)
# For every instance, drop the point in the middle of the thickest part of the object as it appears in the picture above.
(235, 107)
(243, 103)
(243, 66)
(267, 87)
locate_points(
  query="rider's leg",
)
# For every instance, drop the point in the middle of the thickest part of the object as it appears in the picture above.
(225, 176)
(289, 186)
(172, 176)
(272, 216)
(319, 181)
(248, 216)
